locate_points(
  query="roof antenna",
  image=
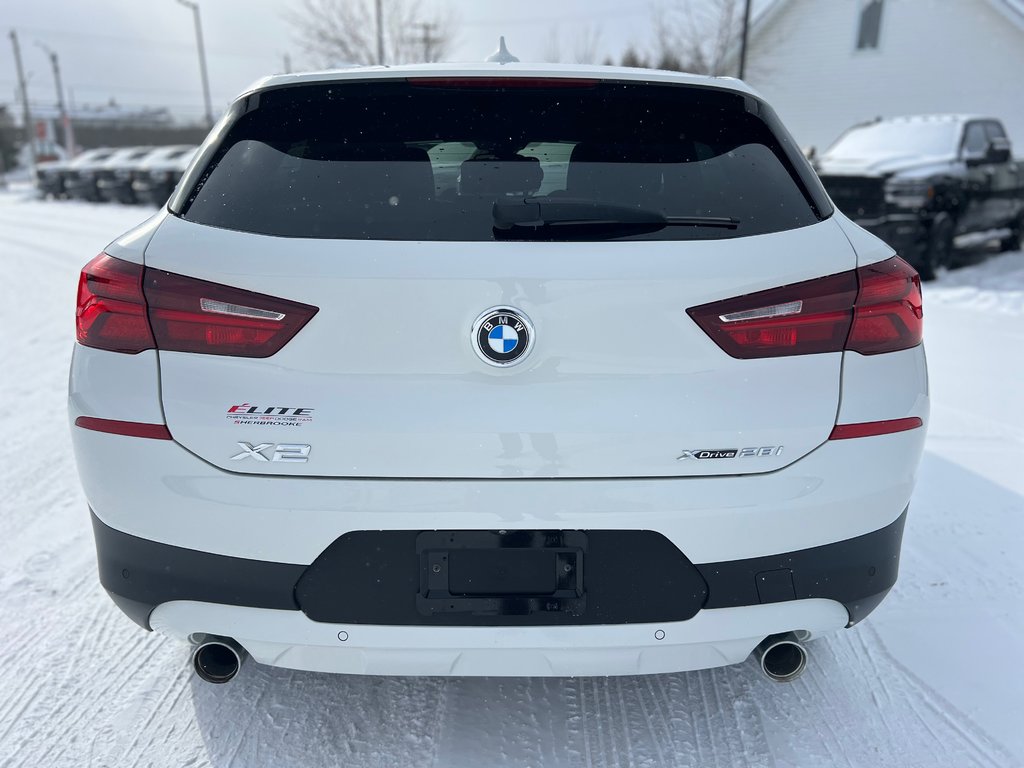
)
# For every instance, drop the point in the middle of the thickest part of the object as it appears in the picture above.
(502, 55)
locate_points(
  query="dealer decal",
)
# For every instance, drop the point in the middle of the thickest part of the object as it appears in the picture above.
(249, 415)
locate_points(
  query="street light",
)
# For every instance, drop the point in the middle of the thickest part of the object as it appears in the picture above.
(202, 57)
(65, 118)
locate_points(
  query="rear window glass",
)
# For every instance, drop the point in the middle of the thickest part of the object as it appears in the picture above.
(466, 160)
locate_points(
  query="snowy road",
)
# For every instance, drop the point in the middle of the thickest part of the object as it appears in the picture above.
(934, 678)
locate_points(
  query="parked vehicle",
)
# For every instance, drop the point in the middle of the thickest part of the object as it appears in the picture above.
(51, 176)
(929, 185)
(50, 179)
(82, 181)
(573, 410)
(113, 178)
(155, 179)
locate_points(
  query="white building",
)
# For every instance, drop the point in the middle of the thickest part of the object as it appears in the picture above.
(828, 64)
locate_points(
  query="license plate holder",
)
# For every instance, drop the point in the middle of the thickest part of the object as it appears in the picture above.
(501, 572)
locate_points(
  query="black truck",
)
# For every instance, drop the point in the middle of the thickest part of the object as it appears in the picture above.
(933, 187)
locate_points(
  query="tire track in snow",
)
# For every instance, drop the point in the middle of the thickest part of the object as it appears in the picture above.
(987, 750)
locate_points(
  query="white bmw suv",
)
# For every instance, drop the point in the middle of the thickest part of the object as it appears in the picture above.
(498, 370)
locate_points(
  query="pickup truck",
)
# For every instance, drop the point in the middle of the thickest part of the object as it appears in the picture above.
(931, 186)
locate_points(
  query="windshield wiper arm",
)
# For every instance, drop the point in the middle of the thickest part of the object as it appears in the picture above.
(534, 213)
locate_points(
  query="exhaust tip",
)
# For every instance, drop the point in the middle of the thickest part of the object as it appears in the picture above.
(783, 658)
(217, 661)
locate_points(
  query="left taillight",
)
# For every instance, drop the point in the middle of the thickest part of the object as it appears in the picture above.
(111, 311)
(124, 307)
(192, 315)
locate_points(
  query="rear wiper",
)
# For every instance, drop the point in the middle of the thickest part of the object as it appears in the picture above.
(534, 213)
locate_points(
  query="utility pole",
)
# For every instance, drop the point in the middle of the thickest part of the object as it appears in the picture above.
(427, 39)
(287, 64)
(380, 32)
(743, 39)
(26, 114)
(65, 118)
(194, 6)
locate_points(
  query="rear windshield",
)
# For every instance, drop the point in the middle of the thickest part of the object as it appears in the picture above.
(484, 160)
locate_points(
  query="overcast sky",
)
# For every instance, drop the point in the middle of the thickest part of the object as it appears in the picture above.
(142, 52)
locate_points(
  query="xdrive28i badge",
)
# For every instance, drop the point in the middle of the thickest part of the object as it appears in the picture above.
(502, 336)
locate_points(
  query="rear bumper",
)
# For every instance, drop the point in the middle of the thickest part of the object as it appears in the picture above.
(811, 546)
(362, 580)
(712, 638)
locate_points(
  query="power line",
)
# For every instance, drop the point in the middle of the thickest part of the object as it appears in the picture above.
(427, 38)
(589, 16)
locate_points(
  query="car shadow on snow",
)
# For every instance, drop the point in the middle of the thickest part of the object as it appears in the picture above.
(857, 704)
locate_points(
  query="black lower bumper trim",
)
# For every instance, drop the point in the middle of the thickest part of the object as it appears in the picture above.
(384, 577)
(389, 577)
(141, 574)
(857, 572)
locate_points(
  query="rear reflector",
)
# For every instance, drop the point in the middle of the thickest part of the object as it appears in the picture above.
(872, 428)
(874, 309)
(128, 428)
(123, 307)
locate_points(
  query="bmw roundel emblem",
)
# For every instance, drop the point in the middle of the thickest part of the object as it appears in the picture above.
(502, 336)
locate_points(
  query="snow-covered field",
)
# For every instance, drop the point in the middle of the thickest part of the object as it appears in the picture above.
(934, 678)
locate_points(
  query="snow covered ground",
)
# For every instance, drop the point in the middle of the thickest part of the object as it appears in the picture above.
(934, 678)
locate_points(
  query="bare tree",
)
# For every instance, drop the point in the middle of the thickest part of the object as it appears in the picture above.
(343, 32)
(587, 42)
(697, 36)
(552, 46)
(632, 58)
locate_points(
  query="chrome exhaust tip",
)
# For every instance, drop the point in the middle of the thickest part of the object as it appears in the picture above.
(782, 657)
(217, 660)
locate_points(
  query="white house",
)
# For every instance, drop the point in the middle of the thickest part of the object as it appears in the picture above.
(828, 64)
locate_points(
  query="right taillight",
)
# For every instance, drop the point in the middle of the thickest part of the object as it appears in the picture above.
(889, 313)
(873, 309)
(124, 307)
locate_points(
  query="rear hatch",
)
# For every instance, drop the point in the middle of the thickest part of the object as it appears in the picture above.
(386, 206)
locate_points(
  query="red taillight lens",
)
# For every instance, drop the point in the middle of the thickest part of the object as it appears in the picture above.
(889, 312)
(111, 310)
(123, 307)
(799, 319)
(191, 315)
(871, 310)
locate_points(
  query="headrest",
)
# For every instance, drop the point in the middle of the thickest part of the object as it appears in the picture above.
(513, 175)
